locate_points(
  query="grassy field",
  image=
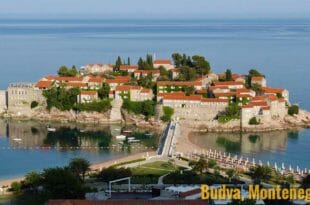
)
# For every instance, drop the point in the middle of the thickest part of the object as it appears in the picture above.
(156, 169)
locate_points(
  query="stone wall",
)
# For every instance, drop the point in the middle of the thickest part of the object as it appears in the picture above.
(20, 97)
(195, 110)
(3, 101)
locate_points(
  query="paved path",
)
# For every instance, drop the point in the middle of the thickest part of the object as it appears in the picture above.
(116, 115)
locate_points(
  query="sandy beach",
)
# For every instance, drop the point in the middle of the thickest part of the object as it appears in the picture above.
(93, 167)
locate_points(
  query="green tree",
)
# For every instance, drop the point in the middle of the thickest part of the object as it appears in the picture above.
(253, 121)
(177, 59)
(305, 183)
(293, 110)
(211, 163)
(199, 166)
(187, 73)
(118, 63)
(34, 104)
(231, 173)
(201, 64)
(189, 90)
(61, 183)
(261, 173)
(16, 188)
(66, 72)
(79, 167)
(61, 98)
(104, 91)
(163, 71)
(228, 75)
(168, 112)
(33, 180)
(128, 61)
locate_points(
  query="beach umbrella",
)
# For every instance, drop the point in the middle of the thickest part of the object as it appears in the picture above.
(275, 166)
(268, 163)
(260, 163)
(290, 168)
(283, 167)
(253, 162)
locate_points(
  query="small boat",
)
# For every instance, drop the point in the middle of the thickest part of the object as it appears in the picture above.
(121, 137)
(117, 129)
(82, 131)
(130, 138)
(51, 129)
(17, 139)
(149, 134)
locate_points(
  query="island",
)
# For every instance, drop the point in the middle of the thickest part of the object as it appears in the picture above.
(153, 92)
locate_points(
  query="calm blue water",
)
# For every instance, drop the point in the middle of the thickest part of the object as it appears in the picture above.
(30, 49)
(27, 146)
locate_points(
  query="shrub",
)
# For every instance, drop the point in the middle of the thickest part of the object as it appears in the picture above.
(146, 108)
(34, 104)
(16, 187)
(253, 121)
(293, 110)
(96, 106)
(168, 112)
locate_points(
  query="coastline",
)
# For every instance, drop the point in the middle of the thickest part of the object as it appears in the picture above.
(94, 167)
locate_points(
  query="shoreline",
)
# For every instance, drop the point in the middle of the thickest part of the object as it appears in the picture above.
(94, 166)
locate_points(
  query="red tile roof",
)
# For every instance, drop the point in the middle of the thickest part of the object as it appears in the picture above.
(186, 83)
(272, 90)
(229, 94)
(44, 84)
(218, 87)
(243, 90)
(119, 80)
(128, 67)
(127, 88)
(227, 83)
(257, 78)
(147, 71)
(88, 92)
(162, 62)
(95, 79)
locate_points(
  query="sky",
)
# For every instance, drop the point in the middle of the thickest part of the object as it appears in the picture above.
(156, 8)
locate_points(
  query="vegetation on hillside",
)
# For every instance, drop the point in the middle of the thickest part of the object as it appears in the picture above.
(146, 108)
(293, 110)
(96, 106)
(231, 112)
(67, 72)
(61, 98)
(168, 112)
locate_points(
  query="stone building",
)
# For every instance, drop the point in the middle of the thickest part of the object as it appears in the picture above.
(97, 68)
(264, 109)
(134, 93)
(3, 101)
(259, 80)
(144, 73)
(21, 95)
(165, 63)
(128, 68)
(87, 96)
(193, 107)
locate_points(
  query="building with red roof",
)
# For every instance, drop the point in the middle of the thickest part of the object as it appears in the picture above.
(129, 68)
(165, 63)
(133, 93)
(87, 96)
(144, 73)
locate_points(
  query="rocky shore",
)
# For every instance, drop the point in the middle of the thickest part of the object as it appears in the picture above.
(302, 120)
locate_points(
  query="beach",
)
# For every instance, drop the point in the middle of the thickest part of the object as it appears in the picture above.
(93, 167)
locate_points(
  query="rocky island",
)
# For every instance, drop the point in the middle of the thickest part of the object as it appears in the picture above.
(156, 91)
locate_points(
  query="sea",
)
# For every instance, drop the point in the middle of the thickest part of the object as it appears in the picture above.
(279, 48)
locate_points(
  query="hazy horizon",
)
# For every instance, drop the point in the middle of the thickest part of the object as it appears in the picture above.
(161, 9)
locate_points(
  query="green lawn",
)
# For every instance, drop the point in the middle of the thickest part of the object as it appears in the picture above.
(156, 168)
